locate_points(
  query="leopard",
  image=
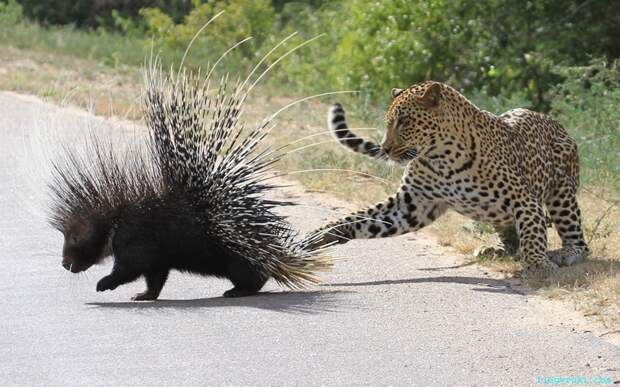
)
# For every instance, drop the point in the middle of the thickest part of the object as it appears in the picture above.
(503, 170)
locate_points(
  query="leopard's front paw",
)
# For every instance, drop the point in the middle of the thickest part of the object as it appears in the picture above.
(568, 255)
(539, 269)
(324, 238)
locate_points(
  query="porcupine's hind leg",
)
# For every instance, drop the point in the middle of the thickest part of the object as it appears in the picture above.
(247, 280)
(155, 280)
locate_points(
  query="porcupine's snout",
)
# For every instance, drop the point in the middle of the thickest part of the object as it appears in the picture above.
(71, 265)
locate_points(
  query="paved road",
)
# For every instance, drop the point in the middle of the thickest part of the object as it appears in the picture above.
(396, 313)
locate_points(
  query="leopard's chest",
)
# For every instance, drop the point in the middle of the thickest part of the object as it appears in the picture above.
(481, 203)
(478, 192)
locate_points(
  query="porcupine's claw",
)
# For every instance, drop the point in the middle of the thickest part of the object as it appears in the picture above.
(144, 296)
(239, 292)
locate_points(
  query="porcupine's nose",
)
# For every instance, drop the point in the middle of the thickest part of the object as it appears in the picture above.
(66, 265)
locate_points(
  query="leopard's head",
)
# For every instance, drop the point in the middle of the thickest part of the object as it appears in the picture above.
(414, 120)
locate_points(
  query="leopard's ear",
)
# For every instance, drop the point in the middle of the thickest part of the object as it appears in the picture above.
(396, 92)
(432, 96)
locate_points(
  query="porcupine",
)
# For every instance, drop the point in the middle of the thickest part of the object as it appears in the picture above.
(194, 201)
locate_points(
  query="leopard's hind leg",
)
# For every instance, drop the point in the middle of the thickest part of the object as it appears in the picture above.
(509, 236)
(566, 216)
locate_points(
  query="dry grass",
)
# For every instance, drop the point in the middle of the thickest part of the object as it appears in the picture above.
(71, 81)
(594, 286)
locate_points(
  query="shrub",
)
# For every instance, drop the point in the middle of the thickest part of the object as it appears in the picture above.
(587, 105)
(243, 18)
(98, 13)
(375, 46)
(10, 13)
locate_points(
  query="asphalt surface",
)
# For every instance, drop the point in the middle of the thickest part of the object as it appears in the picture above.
(394, 312)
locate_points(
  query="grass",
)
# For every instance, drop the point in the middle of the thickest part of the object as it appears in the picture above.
(67, 67)
(106, 48)
(65, 79)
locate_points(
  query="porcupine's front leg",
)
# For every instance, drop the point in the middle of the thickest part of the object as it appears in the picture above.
(120, 275)
(399, 214)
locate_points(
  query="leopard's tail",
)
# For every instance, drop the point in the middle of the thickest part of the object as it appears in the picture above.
(337, 123)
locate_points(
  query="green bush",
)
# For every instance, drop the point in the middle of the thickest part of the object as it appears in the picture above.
(255, 18)
(374, 46)
(586, 103)
(108, 48)
(93, 14)
(498, 104)
(310, 69)
(10, 13)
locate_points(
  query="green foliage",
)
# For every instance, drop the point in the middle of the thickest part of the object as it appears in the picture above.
(586, 103)
(125, 25)
(311, 69)
(375, 46)
(157, 22)
(390, 44)
(242, 19)
(10, 13)
(498, 104)
(108, 48)
(92, 14)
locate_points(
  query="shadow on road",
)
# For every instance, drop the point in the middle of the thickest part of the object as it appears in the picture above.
(491, 285)
(287, 302)
(447, 267)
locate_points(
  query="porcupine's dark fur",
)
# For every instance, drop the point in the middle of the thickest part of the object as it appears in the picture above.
(194, 201)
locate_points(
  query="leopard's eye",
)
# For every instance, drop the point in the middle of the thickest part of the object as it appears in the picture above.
(400, 121)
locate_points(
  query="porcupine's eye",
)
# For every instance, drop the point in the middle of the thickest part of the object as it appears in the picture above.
(71, 238)
(84, 245)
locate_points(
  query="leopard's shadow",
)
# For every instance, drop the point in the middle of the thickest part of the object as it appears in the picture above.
(489, 285)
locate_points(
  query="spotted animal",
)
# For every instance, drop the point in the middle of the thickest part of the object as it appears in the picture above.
(503, 170)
